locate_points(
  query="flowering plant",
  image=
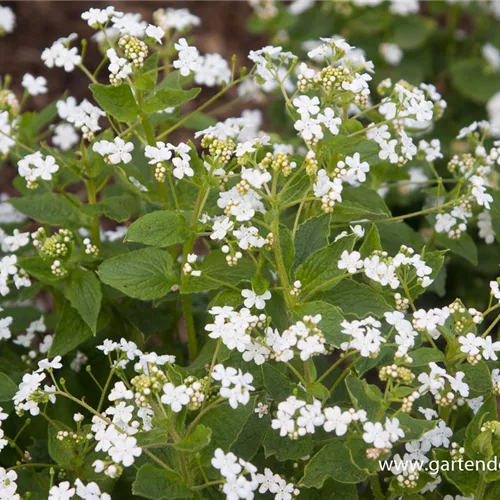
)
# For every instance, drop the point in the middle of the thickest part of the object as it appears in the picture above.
(274, 322)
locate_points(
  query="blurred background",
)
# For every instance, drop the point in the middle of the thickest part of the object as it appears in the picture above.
(39, 23)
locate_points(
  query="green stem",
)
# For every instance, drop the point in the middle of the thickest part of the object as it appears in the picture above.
(92, 199)
(187, 308)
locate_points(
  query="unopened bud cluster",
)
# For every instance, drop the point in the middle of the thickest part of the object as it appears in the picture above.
(135, 50)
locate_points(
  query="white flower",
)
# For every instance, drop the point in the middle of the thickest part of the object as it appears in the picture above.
(65, 136)
(254, 300)
(155, 32)
(91, 491)
(63, 491)
(375, 433)
(7, 19)
(391, 53)
(175, 397)
(61, 56)
(350, 261)
(94, 17)
(309, 128)
(328, 119)
(226, 463)
(392, 427)
(306, 106)
(337, 420)
(46, 364)
(120, 391)
(188, 60)
(182, 168)
(357, 169)
(492, 56)
(212, 69)
(490, 349)
(4, 327)
(470, 344)
(34, 85)
(220, 228)
(124, 450)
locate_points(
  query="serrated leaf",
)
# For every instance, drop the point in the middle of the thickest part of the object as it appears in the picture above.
(196, 441)
(144, 274)
(284, 448)
(331, 318)
(83, 290)
(312, 235)
(53, 209)
(71, 331)
(118, 101)
(159, 229)
(168, 98)
(226, 425)
(215, 273)
(320, 271)
(158, 484)
(7, 388)
(333, 460)
(358, 299)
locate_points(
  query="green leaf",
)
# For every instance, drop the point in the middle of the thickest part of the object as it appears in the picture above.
(144, 274)
(158, 484)
(226, 425)
(410, 32)
(83, 290)
(251, 436)
(215, 273)
(159, 229)
(118, 101)
(357, 299)
(333, 460)
(488, 411)
(169, 98)
(53, 209)
(287, 247)
(426, 355)
(312, 235)
(478, 378)
(470, 78)
(371, 242)
(278, 385)
(147, 76)
(118, 208)
(71, 331)
(38, 268)
(284, 448)
(331, 318)
(464, 246)
(7, 388)
(320, 271)
(65, 452)
(360, 203)
(364, 396)
(415, 428)
(196, 441)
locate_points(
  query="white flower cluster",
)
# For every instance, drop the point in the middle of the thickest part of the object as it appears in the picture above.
(8, 485)
(119, 67)
(387, 270)
(209, 70)
(235, 385)
(175, 19)
(64, 491)
(61, 55)
(365, 336)
(14, 242)
(234, 328)
(177, 155)
(114, 152)
(382, 436)
(10, 272)
(84, 116)
(443, 386)
(295, 418)
(35, 166)
(238, 486)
